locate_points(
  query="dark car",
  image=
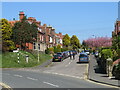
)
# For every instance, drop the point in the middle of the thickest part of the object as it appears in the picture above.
(57, 57)
(61, 53)
(83, 57)
(66, 54)
(75, 52)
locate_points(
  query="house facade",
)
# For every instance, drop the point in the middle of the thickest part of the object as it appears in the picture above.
(116, 31)
(46, 36)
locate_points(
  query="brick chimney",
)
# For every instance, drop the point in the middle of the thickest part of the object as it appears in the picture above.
(21, 15)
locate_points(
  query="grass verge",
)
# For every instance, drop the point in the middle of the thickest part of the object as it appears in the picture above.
(10, 60)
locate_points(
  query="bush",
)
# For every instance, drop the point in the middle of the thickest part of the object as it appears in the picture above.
(118, 52)
(106, 53)
(51, 50)
(55, 49)
(116, 71)
(64, 49)
(58, 48)
(47, 51)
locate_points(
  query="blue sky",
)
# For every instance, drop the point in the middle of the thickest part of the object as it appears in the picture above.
(82, 19)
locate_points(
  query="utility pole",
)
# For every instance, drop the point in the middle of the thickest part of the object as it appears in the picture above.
(38, 46)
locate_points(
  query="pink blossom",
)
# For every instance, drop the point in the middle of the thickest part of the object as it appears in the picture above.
(99, 42)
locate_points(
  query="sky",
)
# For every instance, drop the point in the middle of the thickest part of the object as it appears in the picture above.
(83, 19)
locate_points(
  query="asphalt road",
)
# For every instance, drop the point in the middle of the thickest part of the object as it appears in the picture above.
(65, 74)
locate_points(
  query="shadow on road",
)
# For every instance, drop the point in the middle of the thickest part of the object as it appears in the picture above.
(82, 62)
(56, 61)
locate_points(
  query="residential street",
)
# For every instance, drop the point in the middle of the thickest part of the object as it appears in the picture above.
(61, 45)
(65, 74)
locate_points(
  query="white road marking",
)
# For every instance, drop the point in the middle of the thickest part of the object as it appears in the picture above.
(68, 63)
(18, 75)
(32, 78)
(65, 75)
(51, 84)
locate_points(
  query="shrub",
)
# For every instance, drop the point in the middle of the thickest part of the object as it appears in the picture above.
(58, 48)
(51, 50)
(106, 53)
(64, 49)
(116, 71)
(47, 51)
(55, 49)
(118, 52)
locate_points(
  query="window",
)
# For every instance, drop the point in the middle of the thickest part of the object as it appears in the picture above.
(42, 38)
(38, 46)
(119, 28)
(50, 39)
(39, 29)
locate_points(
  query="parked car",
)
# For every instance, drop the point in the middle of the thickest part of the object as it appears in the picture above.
(70, 52)
(96, 54)
(60, 53)
(66, 54)
(57, 57)
(83, 57)
(73, 51)
(87, 52)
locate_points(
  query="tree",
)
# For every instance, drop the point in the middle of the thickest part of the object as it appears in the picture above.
(24, 32)
(116, 42)
(84, 45)
(66, 40)
(99, 42)
(7, 43)
(58, 48)
(75, 43)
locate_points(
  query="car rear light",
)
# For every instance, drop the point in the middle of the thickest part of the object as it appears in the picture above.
(59, 57)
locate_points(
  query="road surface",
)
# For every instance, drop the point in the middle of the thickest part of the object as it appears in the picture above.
(65, 74)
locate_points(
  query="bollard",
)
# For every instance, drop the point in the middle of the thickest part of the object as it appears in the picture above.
(27, 58)
(109, 62)
(18, 57)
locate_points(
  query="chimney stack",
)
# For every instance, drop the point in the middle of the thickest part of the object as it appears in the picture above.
(21, 15)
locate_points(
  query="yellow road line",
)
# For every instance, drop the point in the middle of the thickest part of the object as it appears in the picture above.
(102, 84)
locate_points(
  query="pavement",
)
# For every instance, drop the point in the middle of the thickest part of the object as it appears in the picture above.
(95, 74)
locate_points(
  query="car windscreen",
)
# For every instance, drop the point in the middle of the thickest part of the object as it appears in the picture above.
(56, 55)
(86, 50)
(59, 53)
(83, 55)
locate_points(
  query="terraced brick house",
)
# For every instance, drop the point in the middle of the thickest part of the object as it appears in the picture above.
(116, 31)
(46, 34)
